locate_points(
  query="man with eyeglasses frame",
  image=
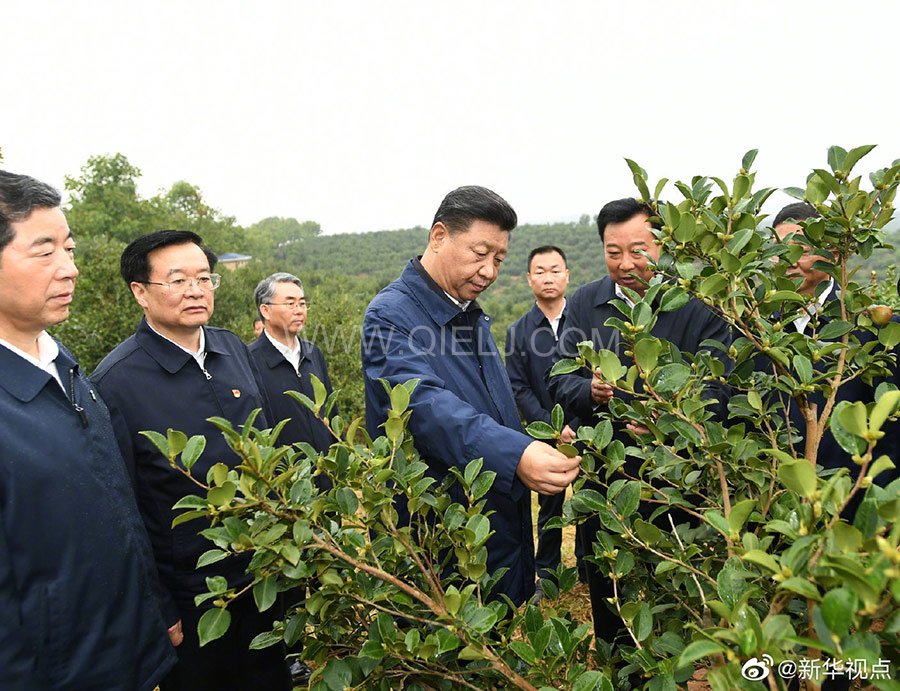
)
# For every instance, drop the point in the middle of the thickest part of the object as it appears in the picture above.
(176, 372)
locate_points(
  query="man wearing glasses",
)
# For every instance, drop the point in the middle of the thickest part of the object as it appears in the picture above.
(287, 362)
(175, 372)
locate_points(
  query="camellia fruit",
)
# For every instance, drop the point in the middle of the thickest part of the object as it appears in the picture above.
(880, 314)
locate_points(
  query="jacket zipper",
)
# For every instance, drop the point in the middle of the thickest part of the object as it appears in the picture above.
(77, 408)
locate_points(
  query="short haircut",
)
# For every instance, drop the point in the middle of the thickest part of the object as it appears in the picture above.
(265, 289)
(135, 264)
(465, 205)
(798, 211)
(546, 249)
(19, 196)
(622, 210)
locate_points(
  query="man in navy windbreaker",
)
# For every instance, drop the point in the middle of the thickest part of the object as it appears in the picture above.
(428, 325)
(78, 588)
(175, 372)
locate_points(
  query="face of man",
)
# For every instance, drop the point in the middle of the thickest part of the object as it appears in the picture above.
(171, 311)
(624, 245)
(465, 264)
(287, 313)
(37, 276)
(803, 269)
(548, 276)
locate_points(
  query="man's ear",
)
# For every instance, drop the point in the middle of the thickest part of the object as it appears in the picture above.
(438, 236)
(266, 311)
(139, 290)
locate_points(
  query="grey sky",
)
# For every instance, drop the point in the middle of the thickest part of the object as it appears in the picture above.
(362, 115)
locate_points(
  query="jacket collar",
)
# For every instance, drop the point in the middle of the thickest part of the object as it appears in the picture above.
(430, 295)
(168, 355)
(605, 291)
(23, 380)
(535, 317)
(272, 357)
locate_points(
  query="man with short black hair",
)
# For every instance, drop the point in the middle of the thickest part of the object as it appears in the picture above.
(428, 325)
(79, 605)
(530, 349)
(176, 372)
(626, 231)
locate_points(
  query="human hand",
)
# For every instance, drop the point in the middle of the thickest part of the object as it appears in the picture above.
(567, 436)
(637, 429)
(601, 391)
(176, 635)
(545, 470)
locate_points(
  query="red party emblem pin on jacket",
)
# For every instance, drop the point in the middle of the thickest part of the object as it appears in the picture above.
(236, 393)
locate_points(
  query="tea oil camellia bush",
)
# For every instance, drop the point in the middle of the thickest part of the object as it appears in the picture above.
(727, 540)
(753, 550)
(388, 606)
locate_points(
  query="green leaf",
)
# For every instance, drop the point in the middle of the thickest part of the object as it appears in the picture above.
(670, 378)
(610, 366)
(883, 409)
(211, 557)
(847, 441)
(748, 159)
(222, 496)
(798, 476)
(889, 335)
(265, 592)
(564, 367)
(847, 538)
(393, 429)
(213, 624)
(713, 285)
(673, 299)
(881, 464)
(804, 368)
(557, 419)
(399, 398)
(834, 330)
(337, 675)
(643, 622)
(347, 500)
(760, 558)
(541, 430)
(853, 157)
(698, 650)
(592, 681)
(192, 450)
(159, 441)
(187, 516)
(801, 586)
(470, 653)
(646, 353)
(739, 514)
(839, 609)
(853, 418)
(628, 499)
(177, 441)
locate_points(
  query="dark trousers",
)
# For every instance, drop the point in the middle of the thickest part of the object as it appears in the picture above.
(549, 547)
(227, 664)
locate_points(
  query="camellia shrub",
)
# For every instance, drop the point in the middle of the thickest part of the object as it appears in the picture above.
(736, 556)
(753, 563)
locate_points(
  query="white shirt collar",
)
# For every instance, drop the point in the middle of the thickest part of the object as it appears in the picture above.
(813, 308)
(554, 323)
(462, 305)
(199, 356)
(48, 350)
(621, 294)
(292, 355)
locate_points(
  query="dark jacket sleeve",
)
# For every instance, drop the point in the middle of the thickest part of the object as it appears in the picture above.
(443, 425)
(170, 611)
(572, 391)
(517, 368)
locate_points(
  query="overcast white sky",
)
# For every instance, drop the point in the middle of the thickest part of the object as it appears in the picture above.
(362, 115)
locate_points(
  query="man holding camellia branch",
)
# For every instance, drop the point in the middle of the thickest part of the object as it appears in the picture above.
(627, 232)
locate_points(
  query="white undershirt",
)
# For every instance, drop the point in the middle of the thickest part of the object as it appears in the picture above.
(621, 294)
(292, 355)
(462, 305)
(554, 323)
(199, 356)
(803, 320)
(48, 351)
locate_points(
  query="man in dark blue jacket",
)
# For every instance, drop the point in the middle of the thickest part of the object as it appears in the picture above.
(428, 325)
(175, 372)
(530, 352)
(818, 285)
(628, 241)
(286, 362)
(78, 588)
